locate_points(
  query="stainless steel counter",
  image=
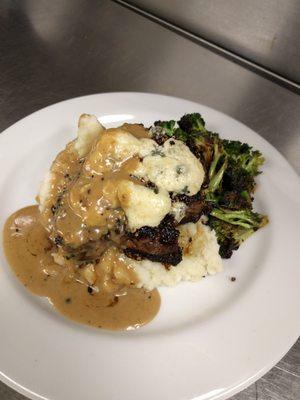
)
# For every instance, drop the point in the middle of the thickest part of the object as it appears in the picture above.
(263, 31)
(51, 51)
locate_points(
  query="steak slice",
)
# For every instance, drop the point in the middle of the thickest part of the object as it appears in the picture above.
(158, 244)
(196, 206)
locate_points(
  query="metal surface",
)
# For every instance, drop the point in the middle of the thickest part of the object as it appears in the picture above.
(228, 54)
(266, 32)
(51, 51)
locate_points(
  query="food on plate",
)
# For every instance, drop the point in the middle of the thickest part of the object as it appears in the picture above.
(123, 211)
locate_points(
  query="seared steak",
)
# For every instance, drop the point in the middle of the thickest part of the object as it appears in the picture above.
(156, 244)
(196, 206)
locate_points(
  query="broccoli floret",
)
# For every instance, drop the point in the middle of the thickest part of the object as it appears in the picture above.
(164, 130)
(217, 169)
(247, 158)
(179, 134)
(192, 123)
(229, 186)
(203, 147)
(237, 187)
(229, 236)
(234, 147)
(214, 162)
(235, 200)
(237, 178)
(253, 163)
(234, 227)
(230, 168)
(245, 218)
(168, 127)
(225, 234)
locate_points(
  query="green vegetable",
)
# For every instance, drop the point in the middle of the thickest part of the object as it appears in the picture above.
(232, 228)
(245, 218)
(230, 170)
(248, 159)
(192, 123)
(168, 127)
(217, 169)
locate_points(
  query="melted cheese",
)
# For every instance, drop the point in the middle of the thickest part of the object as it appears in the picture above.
(172, 167)
(125, 145)
(142, 206)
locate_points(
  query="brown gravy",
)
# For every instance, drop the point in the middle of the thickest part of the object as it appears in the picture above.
(84, 205)
(136, 130)
(28, 251)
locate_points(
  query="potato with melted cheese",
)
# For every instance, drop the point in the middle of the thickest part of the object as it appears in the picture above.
(143, 206)
(116, 191)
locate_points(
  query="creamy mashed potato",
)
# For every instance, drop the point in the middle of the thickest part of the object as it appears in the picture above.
(89, 128)
(170, 168)
(201, 257)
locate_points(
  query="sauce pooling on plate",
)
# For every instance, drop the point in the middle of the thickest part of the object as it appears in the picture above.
(28, 251)
(70, 248)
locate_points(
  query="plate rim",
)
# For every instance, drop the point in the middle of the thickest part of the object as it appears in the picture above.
(230, 391)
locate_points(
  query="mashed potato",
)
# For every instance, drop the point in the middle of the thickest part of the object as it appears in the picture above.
(171, 169)
(201, 257)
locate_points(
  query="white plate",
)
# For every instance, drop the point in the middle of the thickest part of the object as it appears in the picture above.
(210, 339)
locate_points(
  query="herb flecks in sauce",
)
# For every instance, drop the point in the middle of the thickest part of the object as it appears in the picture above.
(51, 251)
(132, 309)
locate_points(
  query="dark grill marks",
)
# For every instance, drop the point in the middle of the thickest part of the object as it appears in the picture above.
(158, 244)
(196, 206)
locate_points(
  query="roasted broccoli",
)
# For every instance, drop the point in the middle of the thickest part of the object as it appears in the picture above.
(234, 227)
(248, 159)
(202, 146)
(237, 187)
(189, 127)
(237, 178)
(245, 218)
(168, 127)
(235, 200)
(230, 168)
(230, 185)
(164, 130)
(217, 168)
(192, 123)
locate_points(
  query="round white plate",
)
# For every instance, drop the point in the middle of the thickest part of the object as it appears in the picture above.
(210, 339)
